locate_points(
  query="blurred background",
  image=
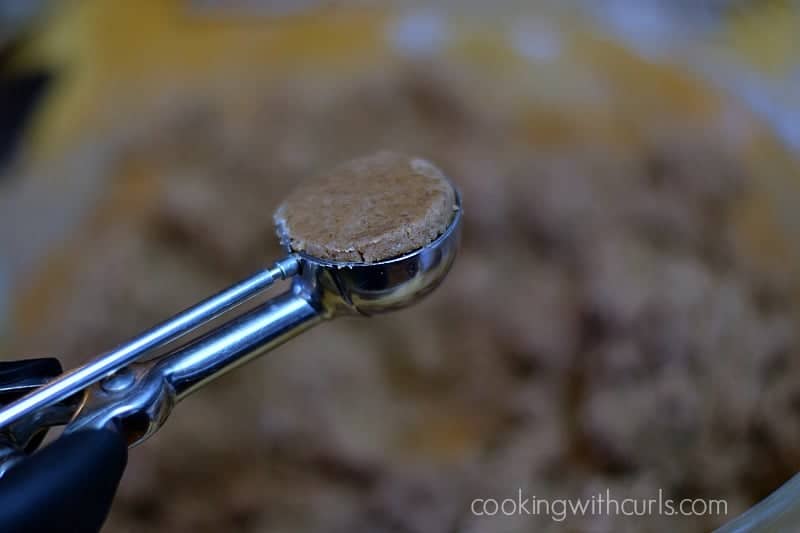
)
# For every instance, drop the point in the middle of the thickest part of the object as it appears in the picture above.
(622, 315)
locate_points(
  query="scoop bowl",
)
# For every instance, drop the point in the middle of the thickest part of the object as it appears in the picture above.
(373, 288)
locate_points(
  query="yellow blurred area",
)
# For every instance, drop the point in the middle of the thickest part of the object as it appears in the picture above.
(765, 36)
(117, 55)
(114, 50)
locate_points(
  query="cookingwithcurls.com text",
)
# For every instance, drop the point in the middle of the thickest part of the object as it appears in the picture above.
(603, 503)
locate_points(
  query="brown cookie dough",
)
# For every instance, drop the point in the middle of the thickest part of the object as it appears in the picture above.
(368, 209)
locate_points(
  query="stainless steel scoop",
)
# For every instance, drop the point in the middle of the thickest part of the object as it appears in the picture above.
(136, 398)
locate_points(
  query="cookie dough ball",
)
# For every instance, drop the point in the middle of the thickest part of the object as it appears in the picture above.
(368, 210)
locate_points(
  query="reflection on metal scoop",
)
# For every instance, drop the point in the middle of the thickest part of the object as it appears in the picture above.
(135, 398)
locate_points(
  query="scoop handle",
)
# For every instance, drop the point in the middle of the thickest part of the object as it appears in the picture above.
(67, 486)
(184, 322)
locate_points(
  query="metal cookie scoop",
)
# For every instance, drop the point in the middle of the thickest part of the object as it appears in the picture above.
(136, 398)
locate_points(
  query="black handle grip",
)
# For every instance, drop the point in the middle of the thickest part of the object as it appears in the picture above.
(67, 486)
